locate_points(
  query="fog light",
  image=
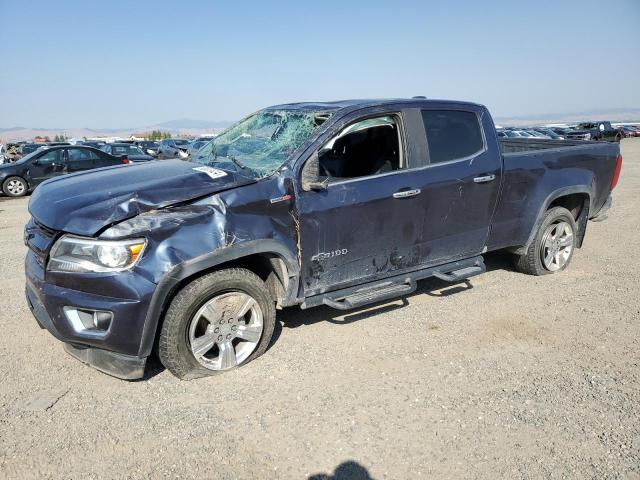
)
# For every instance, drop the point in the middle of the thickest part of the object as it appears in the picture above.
(84, 320)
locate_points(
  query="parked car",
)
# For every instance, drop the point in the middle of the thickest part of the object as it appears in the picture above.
(562, 131)
(173, 148)
(27, 148)
(522, 133)
(20, 177)
(196, 145)
(339, 204)
(630, 131)
(549, 133)
(126, 150)
(512, 134)
(536, 134)
(10, 152)
(597, 131)
(148, 147)
(93, 143)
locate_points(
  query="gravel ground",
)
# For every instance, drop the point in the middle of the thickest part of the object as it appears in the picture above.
(505, 376)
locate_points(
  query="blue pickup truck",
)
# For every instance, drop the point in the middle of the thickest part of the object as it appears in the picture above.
(339, 204)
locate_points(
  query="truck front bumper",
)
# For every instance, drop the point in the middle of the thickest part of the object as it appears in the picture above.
(113, 350)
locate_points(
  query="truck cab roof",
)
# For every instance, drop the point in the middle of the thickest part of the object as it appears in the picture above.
(354, 104)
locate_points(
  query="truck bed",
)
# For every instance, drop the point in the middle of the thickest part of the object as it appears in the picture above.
(537, 169)
(520, 145)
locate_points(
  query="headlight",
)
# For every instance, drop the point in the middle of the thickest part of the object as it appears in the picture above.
(74, 254)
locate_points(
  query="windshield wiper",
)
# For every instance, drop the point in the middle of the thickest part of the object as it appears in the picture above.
(237, 163)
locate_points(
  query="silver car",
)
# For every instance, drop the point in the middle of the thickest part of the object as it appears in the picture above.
(173, 148)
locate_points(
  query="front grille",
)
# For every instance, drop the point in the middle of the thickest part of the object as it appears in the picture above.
(39, 239)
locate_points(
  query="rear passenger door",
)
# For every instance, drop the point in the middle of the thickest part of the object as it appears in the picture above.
(103, 159)
(79, 159)
(460, 183)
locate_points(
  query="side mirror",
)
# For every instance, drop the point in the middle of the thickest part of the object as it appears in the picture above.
(311, 174)
(318, 186)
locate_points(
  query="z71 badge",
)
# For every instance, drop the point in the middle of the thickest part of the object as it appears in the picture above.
(328, 255)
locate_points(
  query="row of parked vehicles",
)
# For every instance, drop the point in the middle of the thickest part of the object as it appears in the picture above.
(23, 166)
(137, 150)
(598, 131)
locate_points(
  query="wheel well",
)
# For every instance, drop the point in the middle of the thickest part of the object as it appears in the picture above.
(270, 267)
(575, 203)
(578, 205)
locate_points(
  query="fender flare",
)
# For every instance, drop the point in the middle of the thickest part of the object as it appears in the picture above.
(178, 273)
(554, 195)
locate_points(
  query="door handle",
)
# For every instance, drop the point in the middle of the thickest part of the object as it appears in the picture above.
(484, 179)
(407, 193)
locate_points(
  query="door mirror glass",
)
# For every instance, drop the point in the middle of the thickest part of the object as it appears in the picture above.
(311, 176)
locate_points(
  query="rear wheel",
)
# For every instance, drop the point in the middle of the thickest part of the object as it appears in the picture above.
(553, 245)
(217, 322)
(15, 187)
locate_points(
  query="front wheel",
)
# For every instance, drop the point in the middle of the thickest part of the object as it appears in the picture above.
(219, 321)
(553, 245)
(15, 187)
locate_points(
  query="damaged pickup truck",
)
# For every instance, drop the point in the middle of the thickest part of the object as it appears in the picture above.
(339, 204)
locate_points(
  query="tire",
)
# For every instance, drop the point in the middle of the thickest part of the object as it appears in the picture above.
(15, 187)
(207, 313)
(549, 239)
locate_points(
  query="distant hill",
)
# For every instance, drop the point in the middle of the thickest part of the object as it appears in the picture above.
(183, 126)
(186, 123)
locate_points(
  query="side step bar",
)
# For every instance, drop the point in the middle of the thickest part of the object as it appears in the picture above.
(372, 295)
(399, 285)
(461, 274)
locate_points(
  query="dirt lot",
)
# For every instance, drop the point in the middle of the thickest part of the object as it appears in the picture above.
(507, 376)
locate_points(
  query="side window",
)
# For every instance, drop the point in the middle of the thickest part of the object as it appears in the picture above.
(367, 147)
(79, 155)
(50, 157)
(452, 134)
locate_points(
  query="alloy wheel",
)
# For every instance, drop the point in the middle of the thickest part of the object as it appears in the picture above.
(557, 245)
(15, 187)
(226, 330)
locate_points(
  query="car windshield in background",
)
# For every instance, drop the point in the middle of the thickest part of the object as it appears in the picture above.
(29, 148)
(30, 156)
(126, 150)
(261, 143)
(181, 142)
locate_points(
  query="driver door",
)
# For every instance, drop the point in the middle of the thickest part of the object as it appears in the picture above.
(358, 219)
(48, 165)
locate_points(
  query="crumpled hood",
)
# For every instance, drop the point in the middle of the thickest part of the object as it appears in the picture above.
(86, 202)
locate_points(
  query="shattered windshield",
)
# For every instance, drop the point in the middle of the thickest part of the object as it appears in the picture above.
(261, 143)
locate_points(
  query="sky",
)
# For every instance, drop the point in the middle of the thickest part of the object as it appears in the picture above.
(111, 64)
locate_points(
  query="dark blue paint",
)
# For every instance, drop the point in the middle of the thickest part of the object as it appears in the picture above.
(193, 222)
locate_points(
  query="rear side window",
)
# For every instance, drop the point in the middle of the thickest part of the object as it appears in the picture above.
(80, 154)
(452, 134)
